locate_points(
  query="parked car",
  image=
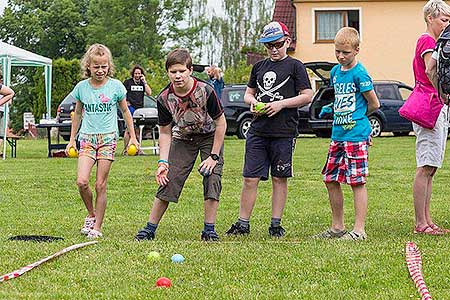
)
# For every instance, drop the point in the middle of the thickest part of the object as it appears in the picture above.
(391, 94)
(238, 115)
(148, 115)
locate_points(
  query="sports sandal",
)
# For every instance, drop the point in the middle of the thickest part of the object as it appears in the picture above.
(88, 225)
(209, 236)
(437, 228)
(238, 229)
(329, 234)
(353, 236)
(144, 234)
(427, 230)
(277, 231)
(94, 234)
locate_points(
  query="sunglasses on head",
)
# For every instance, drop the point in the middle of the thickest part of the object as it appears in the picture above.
(277, 45)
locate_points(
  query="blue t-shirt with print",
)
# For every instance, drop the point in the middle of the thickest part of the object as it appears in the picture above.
(350, 107)
(99, 105)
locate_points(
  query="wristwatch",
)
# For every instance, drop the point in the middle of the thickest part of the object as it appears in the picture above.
(214, 157)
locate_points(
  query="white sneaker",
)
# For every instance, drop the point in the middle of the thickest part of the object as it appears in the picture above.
(94, 234)
(88, 225)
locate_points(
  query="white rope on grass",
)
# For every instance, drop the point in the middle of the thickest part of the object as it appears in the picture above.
(21, 271)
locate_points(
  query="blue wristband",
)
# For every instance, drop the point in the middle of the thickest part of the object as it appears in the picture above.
(163, 161)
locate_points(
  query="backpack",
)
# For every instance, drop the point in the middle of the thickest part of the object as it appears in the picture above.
(443, 61)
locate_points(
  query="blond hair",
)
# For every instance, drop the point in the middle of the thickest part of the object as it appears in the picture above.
(434, 8)
(347, 35)
(96, 50)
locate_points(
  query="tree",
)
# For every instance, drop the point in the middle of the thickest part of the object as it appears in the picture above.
(137, 30)
(51, 28)
(238, 29)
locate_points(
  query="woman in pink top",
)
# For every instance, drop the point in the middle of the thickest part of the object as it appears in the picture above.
(430, 143)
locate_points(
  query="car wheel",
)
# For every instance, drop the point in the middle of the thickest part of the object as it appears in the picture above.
(376, 125)
(244, 126)
(324, 133)
(401, 133)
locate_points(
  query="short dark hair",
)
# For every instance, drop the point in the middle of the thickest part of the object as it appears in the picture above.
(178, 56)
(137, 67)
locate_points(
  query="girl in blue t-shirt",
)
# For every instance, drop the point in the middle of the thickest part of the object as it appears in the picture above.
(97, 99)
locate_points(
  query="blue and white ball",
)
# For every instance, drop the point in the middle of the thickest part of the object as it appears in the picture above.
(177, 258)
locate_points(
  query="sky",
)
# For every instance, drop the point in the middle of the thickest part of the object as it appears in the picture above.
(2, 5)
(214, 4)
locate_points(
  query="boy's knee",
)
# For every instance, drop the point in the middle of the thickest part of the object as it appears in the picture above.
(279, 180)
(250, 182)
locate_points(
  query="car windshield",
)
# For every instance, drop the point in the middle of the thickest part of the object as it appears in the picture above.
(69, 99)
(149, 102)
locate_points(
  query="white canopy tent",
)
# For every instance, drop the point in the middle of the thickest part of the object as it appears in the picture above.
(11, 56)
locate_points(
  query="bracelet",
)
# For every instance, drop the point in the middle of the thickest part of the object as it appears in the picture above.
(163, 161)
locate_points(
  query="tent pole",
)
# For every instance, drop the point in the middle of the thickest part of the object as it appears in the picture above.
(6, 66)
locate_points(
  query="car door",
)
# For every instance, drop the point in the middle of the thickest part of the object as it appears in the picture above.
(390, 102)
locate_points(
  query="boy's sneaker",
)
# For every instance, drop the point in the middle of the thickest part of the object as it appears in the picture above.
(238, 229)
(277, 231)
(144, 234)
(88, 225)
(329, 234)
(353, 236)
(210, 236)
(94, 234)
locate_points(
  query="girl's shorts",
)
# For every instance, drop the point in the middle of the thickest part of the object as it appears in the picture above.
(98, 146)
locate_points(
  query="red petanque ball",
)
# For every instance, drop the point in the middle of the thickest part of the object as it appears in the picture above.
(163, 282)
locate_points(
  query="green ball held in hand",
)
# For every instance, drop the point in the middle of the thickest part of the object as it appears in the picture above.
(260, 107)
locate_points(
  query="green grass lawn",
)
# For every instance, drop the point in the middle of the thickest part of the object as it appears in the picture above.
(39, 196)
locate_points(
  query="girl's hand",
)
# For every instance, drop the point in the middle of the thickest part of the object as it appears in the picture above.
(70, 145)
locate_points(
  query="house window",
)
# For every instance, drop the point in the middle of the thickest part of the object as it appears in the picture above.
(328, 22)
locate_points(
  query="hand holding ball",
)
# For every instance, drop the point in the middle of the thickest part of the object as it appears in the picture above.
(72, 153)
(260, 107)
(132, 150)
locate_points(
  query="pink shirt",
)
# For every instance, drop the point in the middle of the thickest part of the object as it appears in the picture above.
(425, 44)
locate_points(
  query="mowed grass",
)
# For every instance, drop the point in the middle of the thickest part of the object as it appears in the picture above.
(39, 196)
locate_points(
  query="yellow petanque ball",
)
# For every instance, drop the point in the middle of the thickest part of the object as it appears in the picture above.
(132, 150)
(73, 152)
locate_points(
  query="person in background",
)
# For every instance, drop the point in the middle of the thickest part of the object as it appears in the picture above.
(216, 79)
(136, 87)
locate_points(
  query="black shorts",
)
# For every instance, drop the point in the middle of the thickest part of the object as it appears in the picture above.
(262, 153)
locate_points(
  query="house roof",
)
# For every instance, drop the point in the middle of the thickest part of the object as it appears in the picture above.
(284, 11)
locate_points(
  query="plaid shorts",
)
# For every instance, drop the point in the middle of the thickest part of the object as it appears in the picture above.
(347, 162)
(98, 146)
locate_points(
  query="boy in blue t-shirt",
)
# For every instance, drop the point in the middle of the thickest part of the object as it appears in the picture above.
(347, 160)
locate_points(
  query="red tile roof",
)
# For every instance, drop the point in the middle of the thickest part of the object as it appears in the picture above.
(284, 11)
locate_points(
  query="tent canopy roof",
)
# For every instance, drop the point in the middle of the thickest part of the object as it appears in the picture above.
(21, 57)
